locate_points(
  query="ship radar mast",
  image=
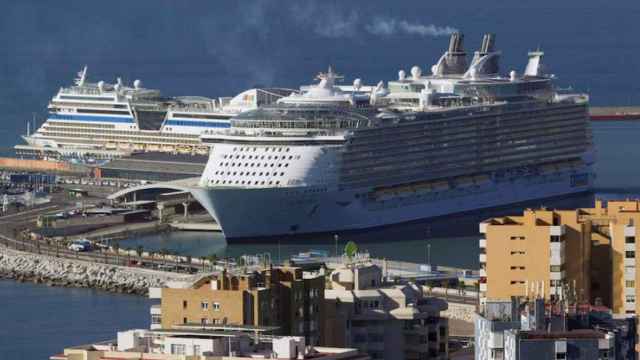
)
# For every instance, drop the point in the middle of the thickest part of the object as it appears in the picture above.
(82, 76)
(328, 79)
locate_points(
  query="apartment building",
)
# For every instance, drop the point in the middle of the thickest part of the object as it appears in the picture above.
(185, 343)
(283, 297)
(588, 254)
(385, 321)
(544, 330)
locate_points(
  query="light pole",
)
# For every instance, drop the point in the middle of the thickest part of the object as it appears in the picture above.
(336, 237)
(429, 255)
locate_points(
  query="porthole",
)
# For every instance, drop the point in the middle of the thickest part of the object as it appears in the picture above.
(290, 157)
(281, 174)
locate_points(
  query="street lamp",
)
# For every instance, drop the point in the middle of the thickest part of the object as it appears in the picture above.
(336, 237)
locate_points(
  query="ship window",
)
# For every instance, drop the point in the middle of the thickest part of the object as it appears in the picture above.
(234, 149)
(262, 183)
(286, 165)
(255, 149)
(253, 174)
(262, 157)
(234, 173)
(287, 150)
(290, 157)
(270, 182)
(261, 174)
(281, 174)
(272, 165)
(279, 165)
(277, 182)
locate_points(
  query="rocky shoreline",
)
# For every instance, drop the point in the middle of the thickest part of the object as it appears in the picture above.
(52, 271)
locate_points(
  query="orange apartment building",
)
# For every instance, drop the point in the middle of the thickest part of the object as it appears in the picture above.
(588, 254)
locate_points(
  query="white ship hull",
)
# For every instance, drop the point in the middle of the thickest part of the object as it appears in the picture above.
(250, 213)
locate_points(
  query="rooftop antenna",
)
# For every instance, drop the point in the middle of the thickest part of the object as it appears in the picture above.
(82, 76)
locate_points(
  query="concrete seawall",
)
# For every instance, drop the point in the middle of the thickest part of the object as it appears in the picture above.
(23, 266)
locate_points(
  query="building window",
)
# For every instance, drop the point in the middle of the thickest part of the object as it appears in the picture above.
(204, 305)
(629, 239)
(177, 349)
(184, 320)
(156, 319)
(555, 268)
(216, 306)
(204, 321)
(631, 299)
(630, 283)
(184, 304)
(630, 254)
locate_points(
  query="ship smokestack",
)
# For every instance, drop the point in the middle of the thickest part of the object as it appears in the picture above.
(454, 61)
(488, 43)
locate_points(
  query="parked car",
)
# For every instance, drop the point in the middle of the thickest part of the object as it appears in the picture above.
(80, 245)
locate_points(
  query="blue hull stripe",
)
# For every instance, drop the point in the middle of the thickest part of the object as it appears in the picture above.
(213, 124)
(73, 117)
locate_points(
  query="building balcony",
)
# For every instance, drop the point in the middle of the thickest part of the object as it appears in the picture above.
(483, 243)
(629, 247)
(556, 260)
(630, 262)
(557, 230)
(629, 306)
(483, 258)
(483, 227)
(629, 230)
(483, 287)
(630, 291)
(630, 273)
(557, 275)
(155, 310)
(483, 273)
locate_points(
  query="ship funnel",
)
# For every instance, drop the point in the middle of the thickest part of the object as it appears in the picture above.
(488, 43)
(485, 60)
(454, 60)
(534, 66)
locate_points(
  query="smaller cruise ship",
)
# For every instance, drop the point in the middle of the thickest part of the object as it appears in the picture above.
(101, 120)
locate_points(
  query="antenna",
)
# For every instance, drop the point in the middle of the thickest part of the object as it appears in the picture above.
(82, 76)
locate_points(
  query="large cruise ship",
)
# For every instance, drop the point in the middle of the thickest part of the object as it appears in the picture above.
(335, 158)
(110, 120)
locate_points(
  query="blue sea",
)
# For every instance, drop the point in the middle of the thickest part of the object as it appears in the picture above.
(219, 48)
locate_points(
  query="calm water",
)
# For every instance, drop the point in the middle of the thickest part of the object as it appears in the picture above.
(220, 48)
(39, 321)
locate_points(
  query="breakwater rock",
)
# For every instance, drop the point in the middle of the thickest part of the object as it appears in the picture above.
(52, 271)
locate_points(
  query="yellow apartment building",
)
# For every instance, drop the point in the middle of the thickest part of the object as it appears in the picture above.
(284, 297)
(587, 254)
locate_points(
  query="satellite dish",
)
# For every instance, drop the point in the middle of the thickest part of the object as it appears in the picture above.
(137, 84)
(416, 72)
(402, 75)
(357, 84)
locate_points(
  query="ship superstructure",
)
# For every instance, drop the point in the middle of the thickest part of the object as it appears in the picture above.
(111, 120)
(337, 158)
